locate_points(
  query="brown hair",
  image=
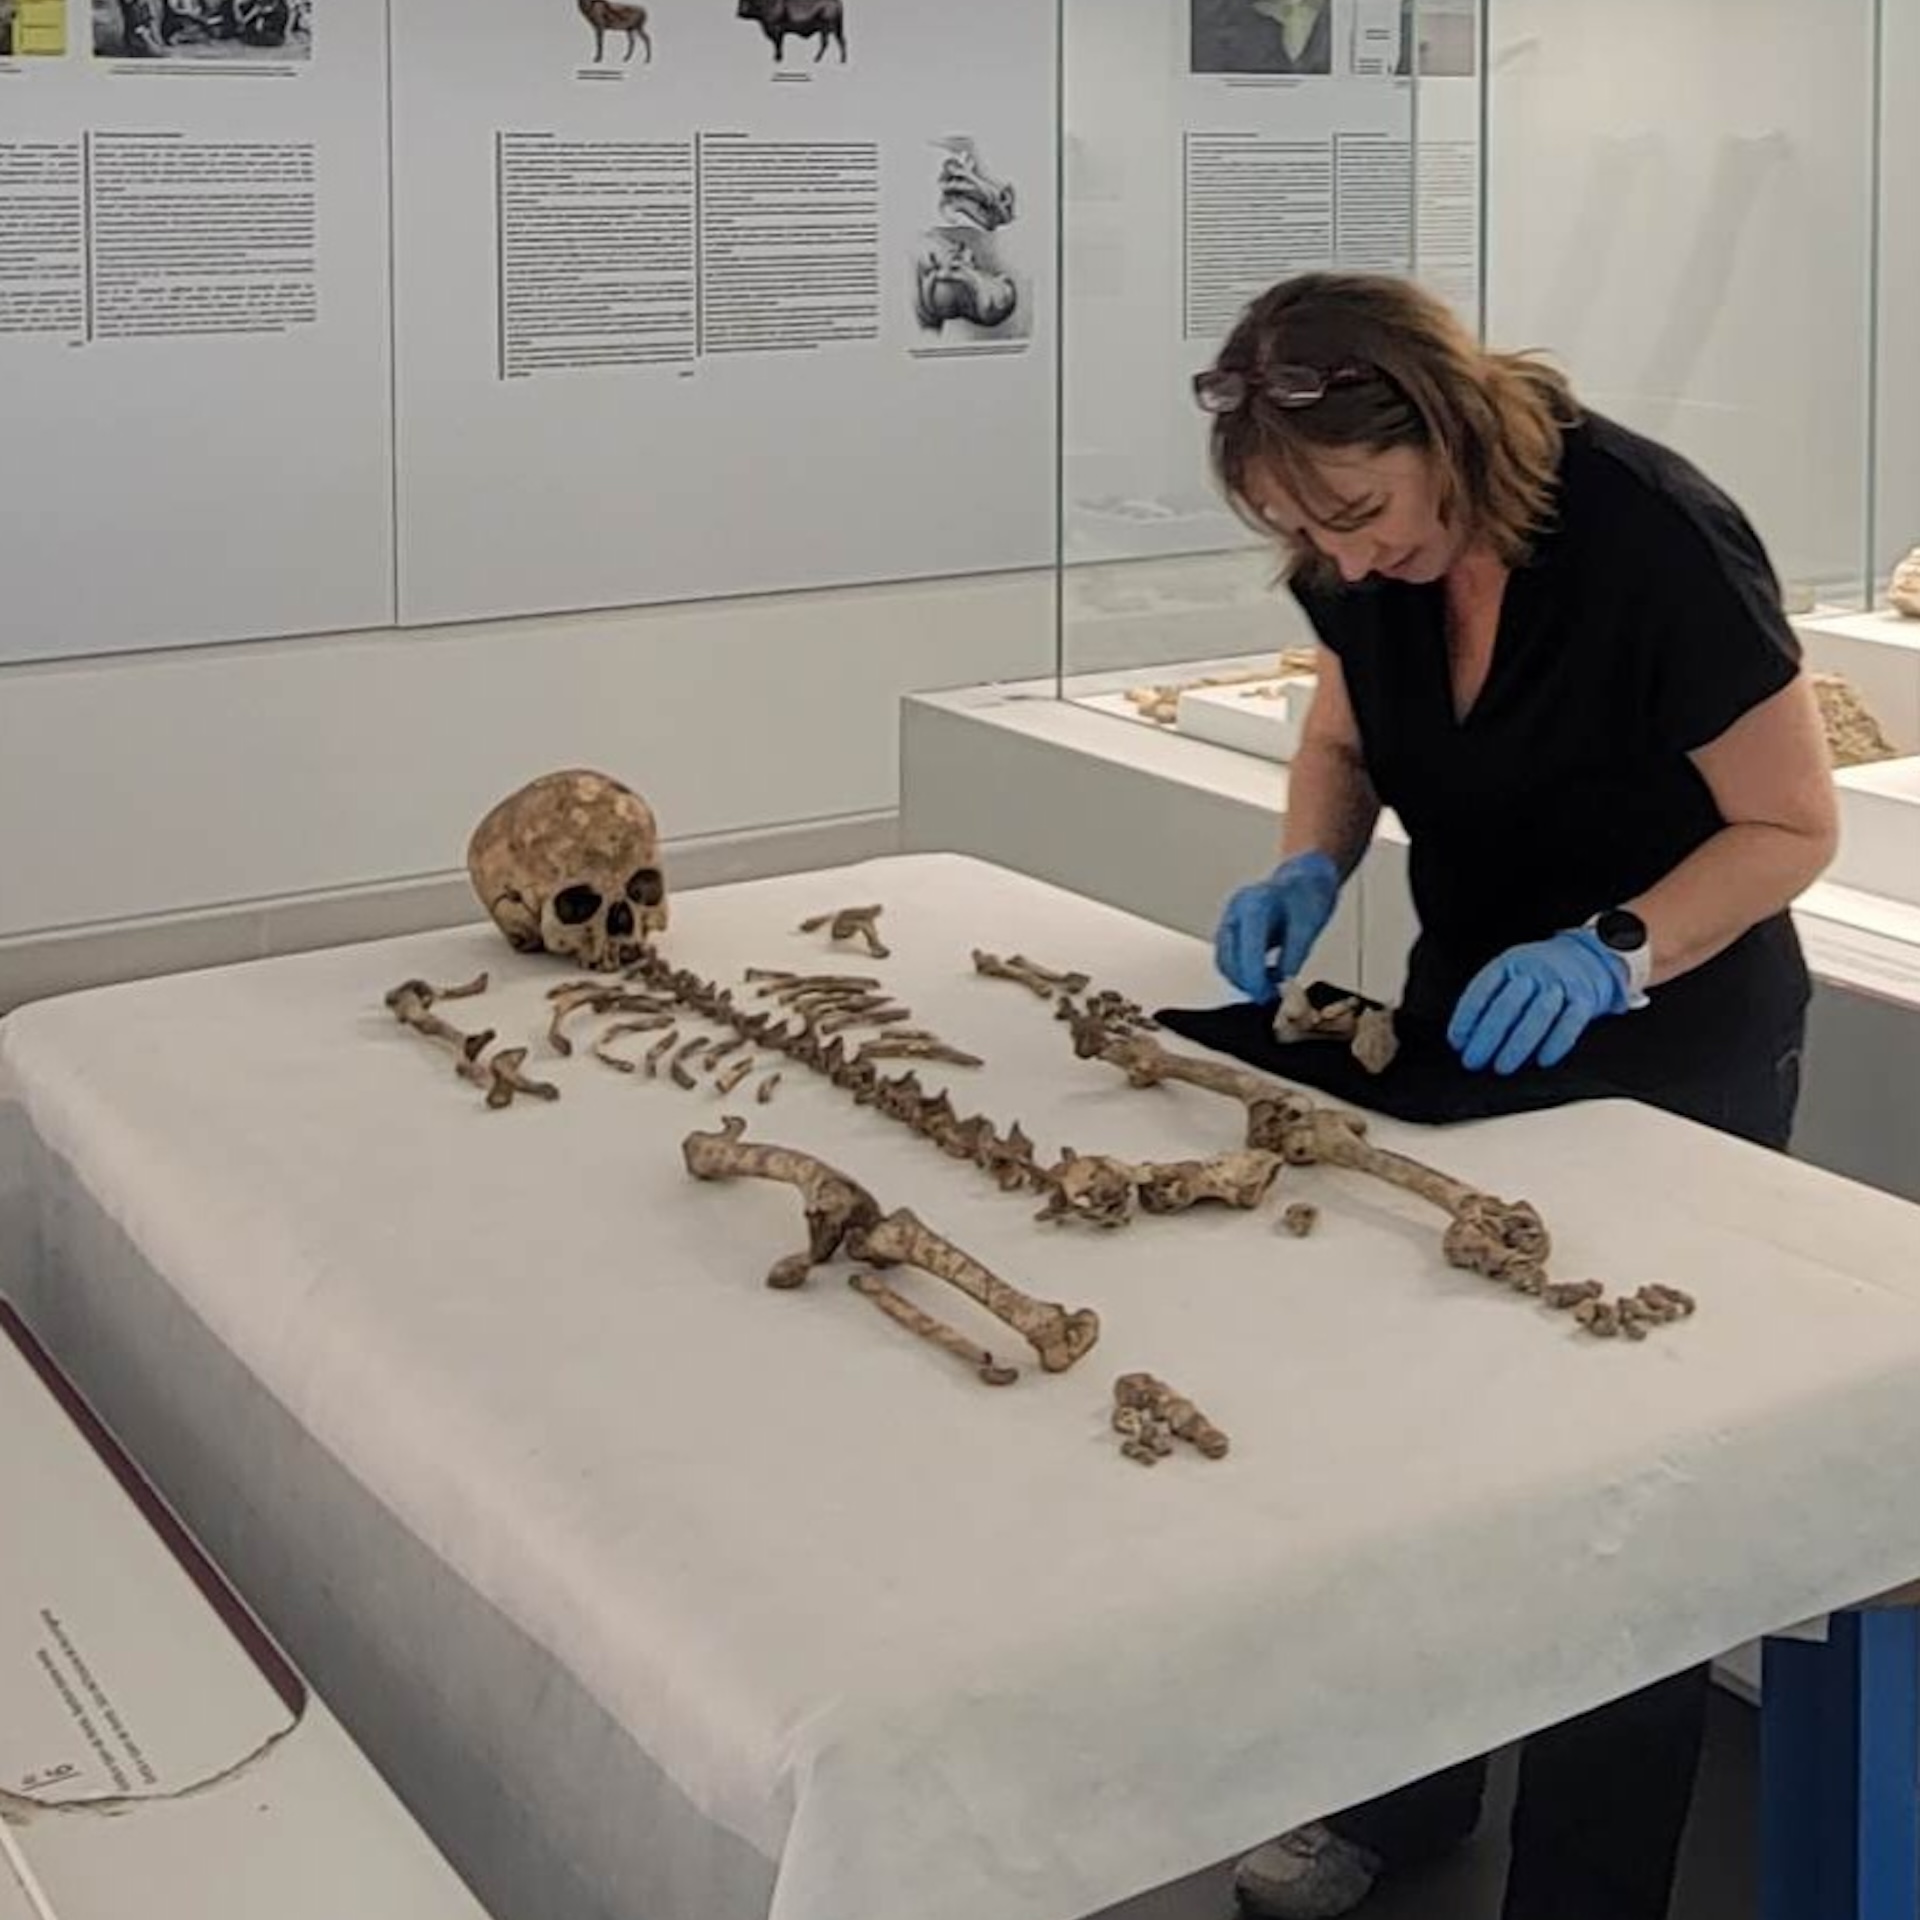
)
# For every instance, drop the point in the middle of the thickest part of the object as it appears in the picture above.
(1413, 376)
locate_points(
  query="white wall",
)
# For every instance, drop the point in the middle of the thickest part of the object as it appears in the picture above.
(1679, 209)
(155, 784)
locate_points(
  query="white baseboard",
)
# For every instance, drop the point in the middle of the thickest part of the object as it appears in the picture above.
(66, 960)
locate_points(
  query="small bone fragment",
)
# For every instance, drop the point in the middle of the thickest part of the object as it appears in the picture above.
(677, 1067)
(1238, 1179)
(506, 1079)
(1369, 1031)
(916, 1046)
(647, 1023)
(1375, 1042)
(1564, 1295)
(1146, 1437)
(1297, 1018)
(821, 1002)
(726, 1082)
(411, 1003)
(1007, 1159)
(1599, 1317)
(715, 1054)
(765, 1091)
(850, 923)
(660, 1049)
(1093, 1188)
(1153, 1396)
(776, 985)
(897, 1307)
(1300, 1219)
(1667, 1303)
(1035, 978)
(1118, 1010)
(839, 1021)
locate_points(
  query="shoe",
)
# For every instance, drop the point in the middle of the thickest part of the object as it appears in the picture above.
(1308, 1874)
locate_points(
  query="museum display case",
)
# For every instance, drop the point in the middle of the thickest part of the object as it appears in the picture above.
(1711, 232)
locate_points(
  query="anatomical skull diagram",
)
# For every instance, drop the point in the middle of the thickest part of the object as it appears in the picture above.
(570, 865)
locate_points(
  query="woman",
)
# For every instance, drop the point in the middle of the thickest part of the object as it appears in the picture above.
(1557, 652)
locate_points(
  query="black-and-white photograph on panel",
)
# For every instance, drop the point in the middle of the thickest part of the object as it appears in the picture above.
(1276, 37)
(203, 30)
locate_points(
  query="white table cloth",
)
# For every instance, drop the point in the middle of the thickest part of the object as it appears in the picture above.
(663, 1595)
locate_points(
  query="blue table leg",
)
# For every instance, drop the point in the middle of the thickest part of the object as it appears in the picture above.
(1840, 1771)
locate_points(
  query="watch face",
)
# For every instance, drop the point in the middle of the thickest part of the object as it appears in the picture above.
(1624, 932)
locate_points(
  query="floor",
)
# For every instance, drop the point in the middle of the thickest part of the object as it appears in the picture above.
(1718, 1879)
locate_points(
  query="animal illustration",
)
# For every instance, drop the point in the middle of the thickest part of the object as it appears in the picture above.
(951, 283)
(969, 192)
(610, 16)
(820, 20)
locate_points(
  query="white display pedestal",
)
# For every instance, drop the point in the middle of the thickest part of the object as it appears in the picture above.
(1263, 719)
(1880, 830)
(1880, 654)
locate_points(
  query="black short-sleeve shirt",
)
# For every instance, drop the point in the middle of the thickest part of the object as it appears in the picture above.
(1646, 621)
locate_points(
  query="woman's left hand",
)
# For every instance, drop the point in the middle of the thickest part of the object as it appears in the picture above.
(1534, 1002)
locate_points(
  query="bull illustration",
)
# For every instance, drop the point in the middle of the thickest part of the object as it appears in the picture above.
(820, 20)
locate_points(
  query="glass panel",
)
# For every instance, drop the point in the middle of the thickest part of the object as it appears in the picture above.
(1897, 501)
(1679, 200)
(1680, 209)
(1212, 147)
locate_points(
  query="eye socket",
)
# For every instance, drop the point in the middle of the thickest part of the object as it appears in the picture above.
(645, 888)
(575, 906)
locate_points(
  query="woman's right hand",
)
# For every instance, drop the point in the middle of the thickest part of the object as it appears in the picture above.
(1285, 914)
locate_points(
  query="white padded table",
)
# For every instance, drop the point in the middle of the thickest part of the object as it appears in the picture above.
(661, 1594)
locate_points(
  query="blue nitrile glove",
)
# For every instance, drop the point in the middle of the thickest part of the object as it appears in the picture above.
(1289, 910)
(1534, 1002)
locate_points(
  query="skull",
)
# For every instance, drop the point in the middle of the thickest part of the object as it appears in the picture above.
(570, 865)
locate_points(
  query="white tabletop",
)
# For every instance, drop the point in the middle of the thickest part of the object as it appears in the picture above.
(934, 1646)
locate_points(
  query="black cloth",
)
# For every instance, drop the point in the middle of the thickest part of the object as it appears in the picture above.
(1231, 36)
(1425, 1083)
(1752, 1092)
(1646, 621)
